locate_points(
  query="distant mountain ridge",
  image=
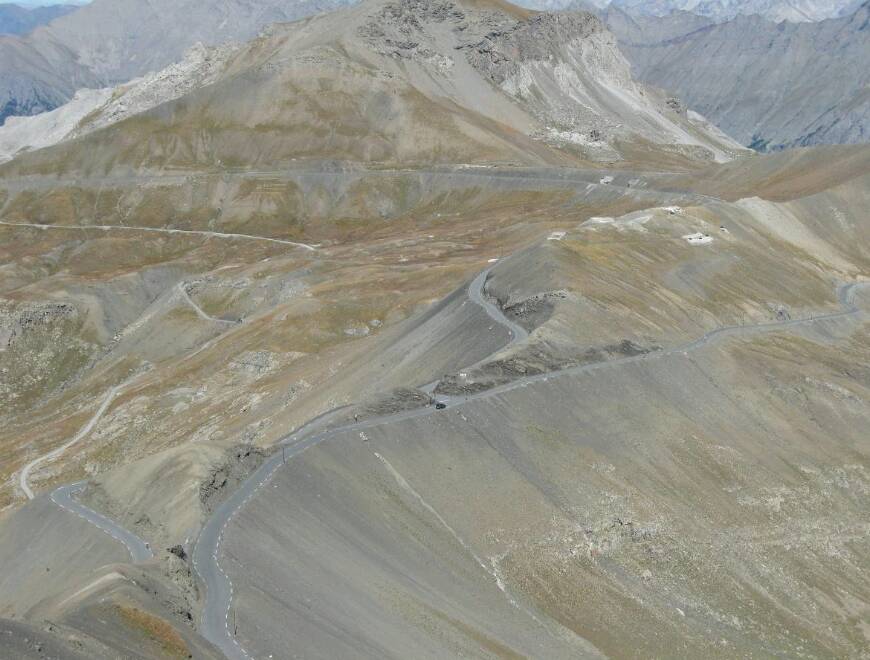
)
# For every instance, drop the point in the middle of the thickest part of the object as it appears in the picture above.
(795, 11)
(15, 19)
(770, 86)
(389, 82)
(764, 100)
(111, 41)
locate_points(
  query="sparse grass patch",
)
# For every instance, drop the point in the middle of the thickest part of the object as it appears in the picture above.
(155, 629)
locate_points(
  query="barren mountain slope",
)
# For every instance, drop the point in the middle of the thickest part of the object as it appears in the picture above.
(662, 494)
(155, 315)
(91, 109)
(15, 19)
(409, 83)
(353, 323)
(111, 41)
(794, 11)
(770, 86)
(650, 477)
(96, 306)
(785, 175)
(296, 245)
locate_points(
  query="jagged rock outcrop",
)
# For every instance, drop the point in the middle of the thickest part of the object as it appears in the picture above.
(564, 68)
(16, 321)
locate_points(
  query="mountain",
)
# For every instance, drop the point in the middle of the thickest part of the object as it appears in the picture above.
(111, 41)
(21, 20)
(472, 83)
(688, 397)
(795, 11)
(563, 5)
(633, 28)
(421, 329)
(770, 86)
(91, 109)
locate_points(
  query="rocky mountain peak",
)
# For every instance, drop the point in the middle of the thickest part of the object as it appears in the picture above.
(541, 38)
(400, 28)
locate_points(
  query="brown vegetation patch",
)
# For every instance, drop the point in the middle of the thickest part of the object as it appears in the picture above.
(156, 629)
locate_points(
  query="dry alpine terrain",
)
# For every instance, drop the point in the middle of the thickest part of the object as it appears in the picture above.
(422, 330)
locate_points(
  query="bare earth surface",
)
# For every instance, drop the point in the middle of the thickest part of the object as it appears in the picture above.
(489, 392)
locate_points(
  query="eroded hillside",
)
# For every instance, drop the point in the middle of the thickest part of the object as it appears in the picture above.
(193, 353)
(345, 352)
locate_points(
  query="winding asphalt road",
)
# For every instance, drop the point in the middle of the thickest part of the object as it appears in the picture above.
(63, 497)
(477, 295)
(215, 623)
(845, 296)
